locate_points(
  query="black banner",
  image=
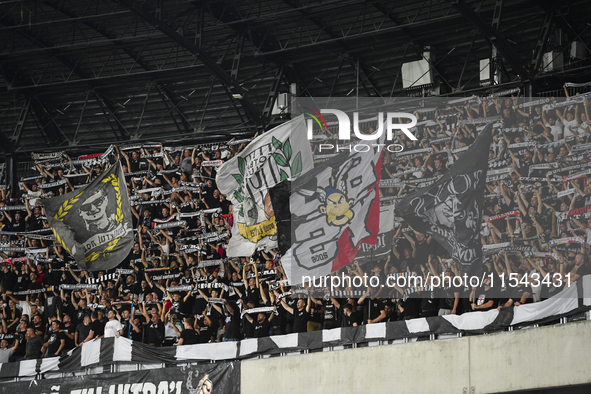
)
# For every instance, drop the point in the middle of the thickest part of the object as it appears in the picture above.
(220, 378)
(451, 209)
(94, 225)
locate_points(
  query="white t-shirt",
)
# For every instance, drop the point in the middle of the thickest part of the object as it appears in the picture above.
(31, 195)
(583, 129)
(555, 130)
(5, 354)
(112, 328)
(570, 128)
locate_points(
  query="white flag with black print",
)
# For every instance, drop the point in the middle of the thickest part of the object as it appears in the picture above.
(279, 154)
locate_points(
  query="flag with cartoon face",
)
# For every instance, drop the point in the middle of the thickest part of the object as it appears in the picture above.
(450, 210)
(332, 210)
(93, 223)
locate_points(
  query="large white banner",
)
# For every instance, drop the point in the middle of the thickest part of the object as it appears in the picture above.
(279, 154)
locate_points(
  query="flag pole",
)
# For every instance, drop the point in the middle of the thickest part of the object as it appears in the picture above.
(130, 320)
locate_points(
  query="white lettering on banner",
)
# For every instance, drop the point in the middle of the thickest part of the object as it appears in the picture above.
(133, 388)
(104, 238)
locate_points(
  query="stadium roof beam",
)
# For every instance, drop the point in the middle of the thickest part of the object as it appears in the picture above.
(37, 41)
(345, 47)
(109, 112)
(233, 86)
(257, 39)
(494, 36)
(134, 56)
(538, 51)
(18, 128)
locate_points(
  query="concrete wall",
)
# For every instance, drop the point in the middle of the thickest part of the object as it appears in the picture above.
(552, 356)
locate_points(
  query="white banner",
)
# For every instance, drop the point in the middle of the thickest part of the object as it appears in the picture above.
(279, 154)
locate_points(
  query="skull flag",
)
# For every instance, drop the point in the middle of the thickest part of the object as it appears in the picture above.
(332, 209)
(450, 210)
(94, 223)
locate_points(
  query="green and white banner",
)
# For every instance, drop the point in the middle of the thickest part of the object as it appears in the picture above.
(279, 154)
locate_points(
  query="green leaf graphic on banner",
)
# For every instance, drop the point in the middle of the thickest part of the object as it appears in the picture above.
(238, 196)
(287, 149)
(241, 212)
(276, 143)
(241, 165)
(280, 160)
(238, 178)
(296, 169)
(284, 175)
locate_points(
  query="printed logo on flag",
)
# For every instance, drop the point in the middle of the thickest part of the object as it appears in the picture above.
(94, 224)
(279, 154)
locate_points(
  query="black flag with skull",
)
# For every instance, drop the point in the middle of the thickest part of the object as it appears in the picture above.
(450, 210)
(94, 223)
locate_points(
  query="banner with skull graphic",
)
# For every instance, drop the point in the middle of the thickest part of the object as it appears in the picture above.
(94, 223)
(450, 210)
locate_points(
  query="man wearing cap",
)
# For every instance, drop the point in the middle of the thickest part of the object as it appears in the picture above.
(484, 298)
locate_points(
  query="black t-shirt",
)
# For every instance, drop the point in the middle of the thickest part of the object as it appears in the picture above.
(232, 328)
(429, 304)
(19, 226)
(206, 333)
(35, 223)
(189, 337)
(552, 289)
(353, 318)
(261, 330)
(405, 264)
(71, 329)
(447, 297)
(482, 296)
(315, 313)
(372, 309)
(178, 307)
(159, 329)
(98, 327)
(248, 327)
(584, 269)
(252, 295)
(54, 343)
(80, 313)
(135, 336)
(518, 291)
(412, 306)
(300, 320)
(424, 249)
(127, 289)
(83, 332)
(330, 315)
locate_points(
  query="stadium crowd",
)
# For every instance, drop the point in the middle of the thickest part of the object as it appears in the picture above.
(177, 286)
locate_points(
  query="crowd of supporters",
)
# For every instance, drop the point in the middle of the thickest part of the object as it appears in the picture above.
(178, 287)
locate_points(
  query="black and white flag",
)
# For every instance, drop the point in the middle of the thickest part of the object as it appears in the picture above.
(450, 210)
(94, 223)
